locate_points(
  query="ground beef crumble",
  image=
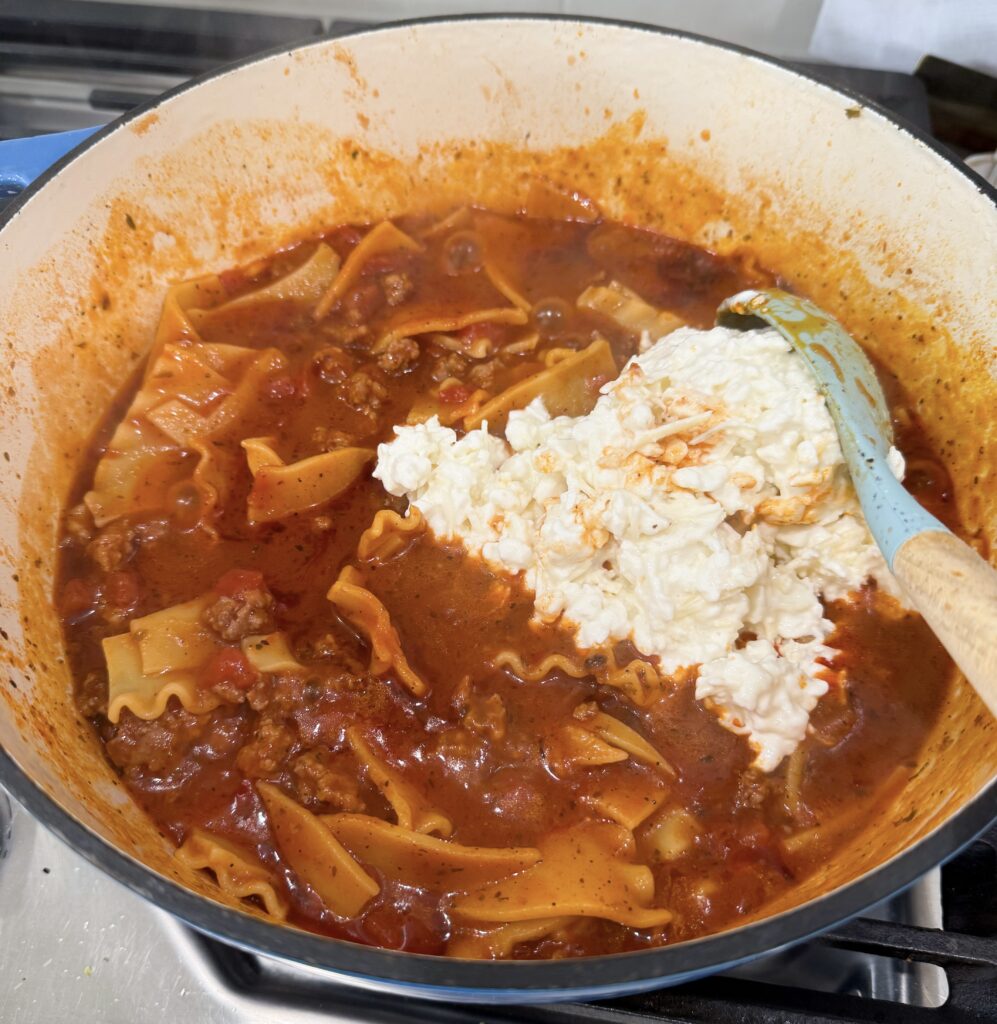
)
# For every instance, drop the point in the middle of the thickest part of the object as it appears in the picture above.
(483, 375)
(273, 741)
(397, 287)
(447, 366)
(113, 547)
(327, 782)
(329, 439)
(153, 746)
(91, 693)
(333, 365)
(234, 618)
(364, 392)
(398, 355)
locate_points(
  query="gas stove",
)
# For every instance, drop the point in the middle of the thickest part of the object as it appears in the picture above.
(75, 946)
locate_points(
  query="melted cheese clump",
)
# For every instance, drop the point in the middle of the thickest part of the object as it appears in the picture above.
(704, 497)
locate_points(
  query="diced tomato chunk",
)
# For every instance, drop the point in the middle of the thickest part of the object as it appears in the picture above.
(237, 582)
(487, 329)
(455, 394)
(413, 926)
(755, 835)
(228, 665)
(231, 280)
(387, 262)
(344, 240)
(77, 600)
(121, 589)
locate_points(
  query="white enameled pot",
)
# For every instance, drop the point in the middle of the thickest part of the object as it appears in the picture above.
(707, 142)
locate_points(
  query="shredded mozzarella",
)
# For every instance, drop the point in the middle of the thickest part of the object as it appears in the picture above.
(704, 497)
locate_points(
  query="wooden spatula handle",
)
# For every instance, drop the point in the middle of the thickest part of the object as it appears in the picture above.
(956, 592)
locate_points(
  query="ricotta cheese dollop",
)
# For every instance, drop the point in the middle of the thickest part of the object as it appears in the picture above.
(703, 501)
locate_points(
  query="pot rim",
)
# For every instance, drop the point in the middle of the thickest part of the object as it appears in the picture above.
(507, 981)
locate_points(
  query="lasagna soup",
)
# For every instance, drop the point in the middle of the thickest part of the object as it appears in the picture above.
(452, 585)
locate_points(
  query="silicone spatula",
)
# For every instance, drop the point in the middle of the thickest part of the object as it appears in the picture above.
(947, 581)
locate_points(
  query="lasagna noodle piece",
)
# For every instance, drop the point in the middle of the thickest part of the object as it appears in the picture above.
(584, 871)
(617, 734)
(503, 284)
(303, 286)
(315, 855)
(237, 872)
(434, 318)
(513, 661)
(174, 320)
(192, 394)
(566, 388)
(158, 658)
(281, 489)
(427, 316)
(412, 810)
(572, 747)
(162, 654)
(628, 309)
(214, 387)
(638, 679)
(454, 220)
(385, 237)
(448, 413)
(389, 534)
(191, 306)
(671, 835)
(500, 942)
(522, 345)
(174, 638)
(367, 613)
(144, 695)
(270, 652)
(624, 796)
(427, 862)
(499, 237)
(793, 785)
(497, 275)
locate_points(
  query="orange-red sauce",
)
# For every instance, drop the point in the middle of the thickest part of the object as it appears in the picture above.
(475, 745)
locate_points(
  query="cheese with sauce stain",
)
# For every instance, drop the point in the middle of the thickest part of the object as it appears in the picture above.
(705, 497)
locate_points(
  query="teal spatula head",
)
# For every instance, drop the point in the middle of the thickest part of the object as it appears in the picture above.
(953, 588)
(854, 399)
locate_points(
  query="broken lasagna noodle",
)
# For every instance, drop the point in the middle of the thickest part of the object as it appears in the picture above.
(362, 726)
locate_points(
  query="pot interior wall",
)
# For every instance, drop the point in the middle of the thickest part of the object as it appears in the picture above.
(709, 145)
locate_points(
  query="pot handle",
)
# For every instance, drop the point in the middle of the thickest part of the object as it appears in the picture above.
(22, 160)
